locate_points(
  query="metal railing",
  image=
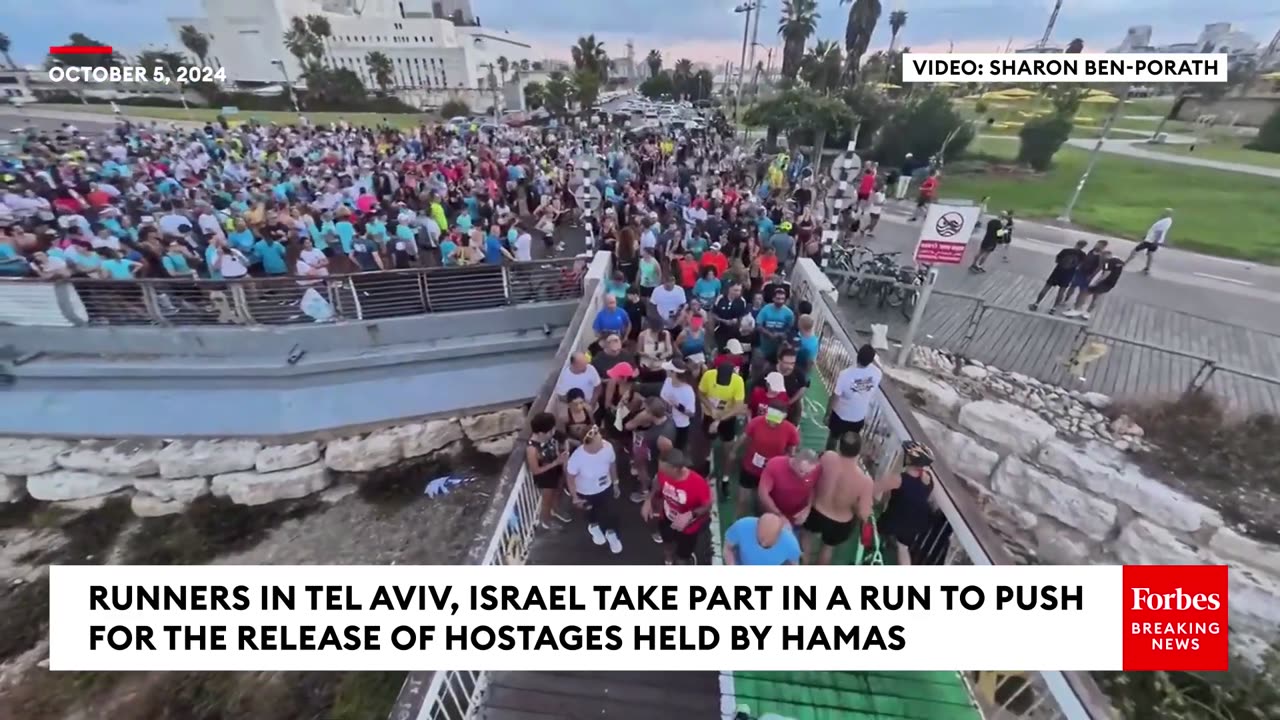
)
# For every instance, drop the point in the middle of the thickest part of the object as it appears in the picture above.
(288, 300)
(506, 531)
(959, 534)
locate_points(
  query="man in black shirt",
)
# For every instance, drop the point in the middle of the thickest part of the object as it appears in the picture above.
(1108, 275)
(997, 230)
(728, 311)
(1064, 269)
(1085, 271)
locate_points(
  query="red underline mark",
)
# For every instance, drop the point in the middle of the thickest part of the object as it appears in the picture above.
(80, 50)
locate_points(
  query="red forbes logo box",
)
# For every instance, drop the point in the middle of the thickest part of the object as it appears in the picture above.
(1175, 617)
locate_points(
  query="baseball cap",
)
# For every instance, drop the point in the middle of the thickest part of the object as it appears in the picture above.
(621, 371)
(734, 347)
(670, 366)
(776, 382)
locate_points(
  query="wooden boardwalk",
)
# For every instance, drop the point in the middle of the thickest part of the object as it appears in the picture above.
(593, 695)
(1039, 345)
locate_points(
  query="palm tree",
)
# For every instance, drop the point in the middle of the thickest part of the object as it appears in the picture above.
(682, 75)
(380, 68)
(298, 39)
(5, 46)
(1076, 46)
(524, 65)
(535, 95)
(897, 20)
(319, 27)
(798, 23)
(587, 86)
(503, 66)
(589, 54)
(823, 66)
(654, 61)
(863, 16)
(195, 41)
(558, 90)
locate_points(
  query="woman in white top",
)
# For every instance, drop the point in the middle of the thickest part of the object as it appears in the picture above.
(311, 262)
(593, 475)
(678, 393)
(654, 348)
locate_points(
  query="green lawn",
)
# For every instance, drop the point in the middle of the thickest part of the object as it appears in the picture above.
(1222, 150)
(1219, 213)
(403, 120)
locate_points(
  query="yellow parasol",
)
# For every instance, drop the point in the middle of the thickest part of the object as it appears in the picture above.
(1001, 96)
(1098, 93)
(1019, 93)
(1272, 76)
(1101, 100)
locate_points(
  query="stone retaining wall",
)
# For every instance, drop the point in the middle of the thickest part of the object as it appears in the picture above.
(1057, 480)
(164, 477)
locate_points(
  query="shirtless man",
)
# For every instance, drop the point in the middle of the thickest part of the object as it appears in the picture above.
(844, 495)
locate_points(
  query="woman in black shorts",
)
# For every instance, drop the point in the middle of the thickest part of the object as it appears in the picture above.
(546, 459)
(906, 517)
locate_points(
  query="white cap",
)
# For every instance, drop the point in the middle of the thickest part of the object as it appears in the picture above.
(670, 366)
(776, 382)
(734, 347)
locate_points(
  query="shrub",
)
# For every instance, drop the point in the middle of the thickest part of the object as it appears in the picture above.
(454, 108)
(1268, 139)
(980, 107)
(921, 127)
(1041, 139)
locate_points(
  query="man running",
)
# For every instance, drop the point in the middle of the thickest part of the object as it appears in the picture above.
(997, 230)
(787, 486)
(851, 396)
(682, 500)
(766, 540)
(1155, 239)
(1064, 269)
(844, 495)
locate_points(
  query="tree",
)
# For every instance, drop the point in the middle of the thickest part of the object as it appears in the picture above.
(589, 54)
(5, 47)
(524, 64)
(318, 26)
(586, 86)
(299, 41)
(195, 41)
(884, 64)
(380, 68)
(863, 17)
(332, 87)
(798, 23)
(802, 110)
(922, 127)
(1041, 138)
(558, 92)
(897, 21)
(454, 108)
(822, 67)
(504, 65)
(81, 40)
(873, 109)
(658, 86)
(167, 60)
(535, 95)
(1268, 139)
(654, 61)
(1076, 46)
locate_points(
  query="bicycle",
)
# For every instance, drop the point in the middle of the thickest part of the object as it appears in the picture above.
(880, 289)
(916, 277)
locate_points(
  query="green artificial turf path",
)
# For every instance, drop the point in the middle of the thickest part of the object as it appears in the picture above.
(844, 695)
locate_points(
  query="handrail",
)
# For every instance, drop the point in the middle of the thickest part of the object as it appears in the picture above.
(287, 300)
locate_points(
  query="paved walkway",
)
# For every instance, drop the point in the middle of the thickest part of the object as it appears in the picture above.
(1135, 149)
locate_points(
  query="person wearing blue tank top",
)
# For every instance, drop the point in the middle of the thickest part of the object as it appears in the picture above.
(906, 516)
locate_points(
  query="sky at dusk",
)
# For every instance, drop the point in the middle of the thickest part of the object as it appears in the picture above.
(701, 30)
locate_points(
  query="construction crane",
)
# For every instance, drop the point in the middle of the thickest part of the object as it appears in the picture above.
(1048, 29)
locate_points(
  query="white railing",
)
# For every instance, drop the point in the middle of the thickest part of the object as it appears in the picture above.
(961, 536)
(458, 694)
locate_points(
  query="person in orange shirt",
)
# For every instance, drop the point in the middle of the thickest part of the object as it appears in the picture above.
(713, 258)
(928, 193)
(768, 263)
(688, 271)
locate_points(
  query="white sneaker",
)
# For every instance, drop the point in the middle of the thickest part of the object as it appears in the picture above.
(1072, 313)
(597, 536)
(562, 517)
(657, 537)
(615, 545)
(1084, 316)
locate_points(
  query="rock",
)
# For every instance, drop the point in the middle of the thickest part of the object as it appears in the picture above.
(976, 364)
(1121, 445)
(1145, 543)
(379, 449)
(338, 493)
(1123, 425)
(254, 488)
(149, 506)
(1035, 402)
(282, 457)
(1018, 378)
(74, 485)
(135, 458)
(421, 439)
(499, 446)
(1231, 545)
(1253, 600)
(962, 454)
(84, 504)
(23, 456)
(1062, 546)
(181, 491)
(993, 370)
(1005, 425)
(1095, 470)
(483, 427)
(933, 396)
(188, 458)
(1096, 400)
(1075, 412)
(12, 489)
(1042, 493)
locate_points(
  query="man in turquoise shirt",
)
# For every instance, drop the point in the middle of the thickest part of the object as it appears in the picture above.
(271, 252)
(775, 322)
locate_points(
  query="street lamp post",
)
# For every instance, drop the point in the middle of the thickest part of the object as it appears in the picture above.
(1093, 156)
(747, 8)
(293, 97)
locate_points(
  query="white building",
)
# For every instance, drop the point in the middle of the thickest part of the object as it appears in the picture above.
(428, 50)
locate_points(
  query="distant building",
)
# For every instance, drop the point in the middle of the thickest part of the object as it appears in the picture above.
(1138, 37)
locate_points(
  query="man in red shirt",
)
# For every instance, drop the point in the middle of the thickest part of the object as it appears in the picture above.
(682, 500)
(770, 393)
(716, 259)
(767, 437)
(787, 486)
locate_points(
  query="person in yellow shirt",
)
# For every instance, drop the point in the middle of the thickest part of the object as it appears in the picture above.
(723, 394)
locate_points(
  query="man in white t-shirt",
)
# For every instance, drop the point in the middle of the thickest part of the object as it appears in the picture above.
(851, 396)
(1155, 239)
(668, 299)
(580, 374)
(524, 246)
